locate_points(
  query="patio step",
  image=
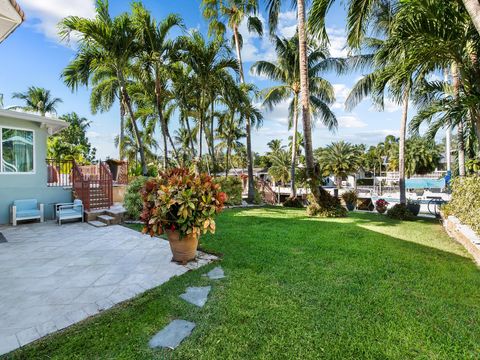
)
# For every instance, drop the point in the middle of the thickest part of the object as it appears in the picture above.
(97, 223)
(106, 219)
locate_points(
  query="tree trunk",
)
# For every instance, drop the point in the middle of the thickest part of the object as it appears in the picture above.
(121, 142)
(172, 144)
(251, 184)
(460, 130)
(162, 122)
(187, 123)
(473, 8)
(401, 148)
(212, 140)
(293, 190)
(227, 158)
(305, 96)
(126, 99)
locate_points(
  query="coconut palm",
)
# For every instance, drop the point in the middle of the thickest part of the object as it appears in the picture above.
(231, 13)
(339, 159)
(103, 42)
(286, 71)
(155, 59)
(38, 100)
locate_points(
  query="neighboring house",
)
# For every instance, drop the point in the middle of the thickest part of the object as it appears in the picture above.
(24, 173)
(11, 16)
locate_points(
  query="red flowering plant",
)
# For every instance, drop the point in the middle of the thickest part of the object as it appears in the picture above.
(180, 200)
(381, 203)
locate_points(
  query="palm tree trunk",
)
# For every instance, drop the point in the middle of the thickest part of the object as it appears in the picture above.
(293, 190)
(187, 123)
(162, 122)
(227, 158)
(305, 96)
(126, 99)
(401, 148)
(172, 144)
(212, 141)
(121, 142)
(251, 184)
(473, 8)
(460, 130)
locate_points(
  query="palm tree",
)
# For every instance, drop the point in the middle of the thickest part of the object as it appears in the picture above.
(208, 63)
(231, 13)
(104, 42)
(340, 159)
(280, 169)
(473, 8)
(38, 100)
(273, 8)
(155, 59)
(286, 71)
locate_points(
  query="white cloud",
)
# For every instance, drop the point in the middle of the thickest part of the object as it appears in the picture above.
(341, 93)
(338, 42)
(93, 134)
(47, 13)
(279, 114)
(388, 106)
(350, 121)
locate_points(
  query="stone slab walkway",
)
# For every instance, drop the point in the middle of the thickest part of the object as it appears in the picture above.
(172, 335)
(196, 295)
(215, 274)
(54, 276)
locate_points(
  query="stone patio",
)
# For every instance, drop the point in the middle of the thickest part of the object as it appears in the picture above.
(54, 276)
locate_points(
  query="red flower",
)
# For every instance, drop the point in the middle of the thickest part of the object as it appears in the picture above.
(172, 227)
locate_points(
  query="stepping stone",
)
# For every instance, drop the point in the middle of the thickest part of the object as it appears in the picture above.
(172, 335)
(215, 274)
(196, 295)
(2, 238)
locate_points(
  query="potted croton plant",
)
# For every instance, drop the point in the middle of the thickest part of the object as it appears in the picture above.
(182, 205)
(381, 205)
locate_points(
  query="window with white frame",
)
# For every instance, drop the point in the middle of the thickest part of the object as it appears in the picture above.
(17, 150)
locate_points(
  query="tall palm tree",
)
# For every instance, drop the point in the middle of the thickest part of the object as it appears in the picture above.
(231, 13)
(473, 8)
(155, 59)
(208, 63)
(103, 42)
(273, 8)
(38, 100)
(286, 71)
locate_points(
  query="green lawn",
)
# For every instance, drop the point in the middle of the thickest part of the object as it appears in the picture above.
(359, 287)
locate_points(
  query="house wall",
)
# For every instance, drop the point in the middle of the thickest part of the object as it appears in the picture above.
(30, 186)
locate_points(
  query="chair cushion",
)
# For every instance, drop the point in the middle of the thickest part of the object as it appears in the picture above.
(77, 205)
(69, 212)
(28, 204)
(28, 213)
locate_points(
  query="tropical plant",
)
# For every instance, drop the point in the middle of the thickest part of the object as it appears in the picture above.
(133, 201)
(231, 13)
(37, 100)
(104, 43)
(178, 200)
(232, 186)
(339, 159)
(286, 71)
(350, 197)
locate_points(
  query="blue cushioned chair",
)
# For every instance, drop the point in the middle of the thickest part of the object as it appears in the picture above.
(69, 211)
(28, 209)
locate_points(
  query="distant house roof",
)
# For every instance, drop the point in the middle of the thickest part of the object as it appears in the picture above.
(11, 16)
(52, 125)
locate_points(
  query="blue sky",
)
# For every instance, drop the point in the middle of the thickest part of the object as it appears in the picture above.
(33, 55)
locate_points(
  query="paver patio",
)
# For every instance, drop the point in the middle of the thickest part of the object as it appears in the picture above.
(54, 276)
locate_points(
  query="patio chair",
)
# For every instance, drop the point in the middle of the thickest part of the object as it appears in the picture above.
(28, 209)
(69, 211)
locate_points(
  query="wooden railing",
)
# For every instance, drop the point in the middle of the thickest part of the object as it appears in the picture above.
(268, 195)
(59, 173)
(95, 188)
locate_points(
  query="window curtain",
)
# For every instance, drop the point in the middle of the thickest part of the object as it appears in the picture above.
(17, 150)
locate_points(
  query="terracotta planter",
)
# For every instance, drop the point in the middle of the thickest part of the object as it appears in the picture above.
(184, 249)
(381, 209)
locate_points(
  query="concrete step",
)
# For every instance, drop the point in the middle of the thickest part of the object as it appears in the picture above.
(97, 223)
(106, 219)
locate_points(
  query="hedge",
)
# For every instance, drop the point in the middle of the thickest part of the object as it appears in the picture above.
(465, 202)
(232, 186)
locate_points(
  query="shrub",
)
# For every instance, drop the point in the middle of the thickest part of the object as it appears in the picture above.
(293, 203)
(325, 206)
(350, 197)
(232, 186)
(181, 201)
(465, 203)
(400, 212)
(133, 201)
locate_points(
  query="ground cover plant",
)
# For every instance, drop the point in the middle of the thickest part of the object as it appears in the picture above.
(365, 286)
